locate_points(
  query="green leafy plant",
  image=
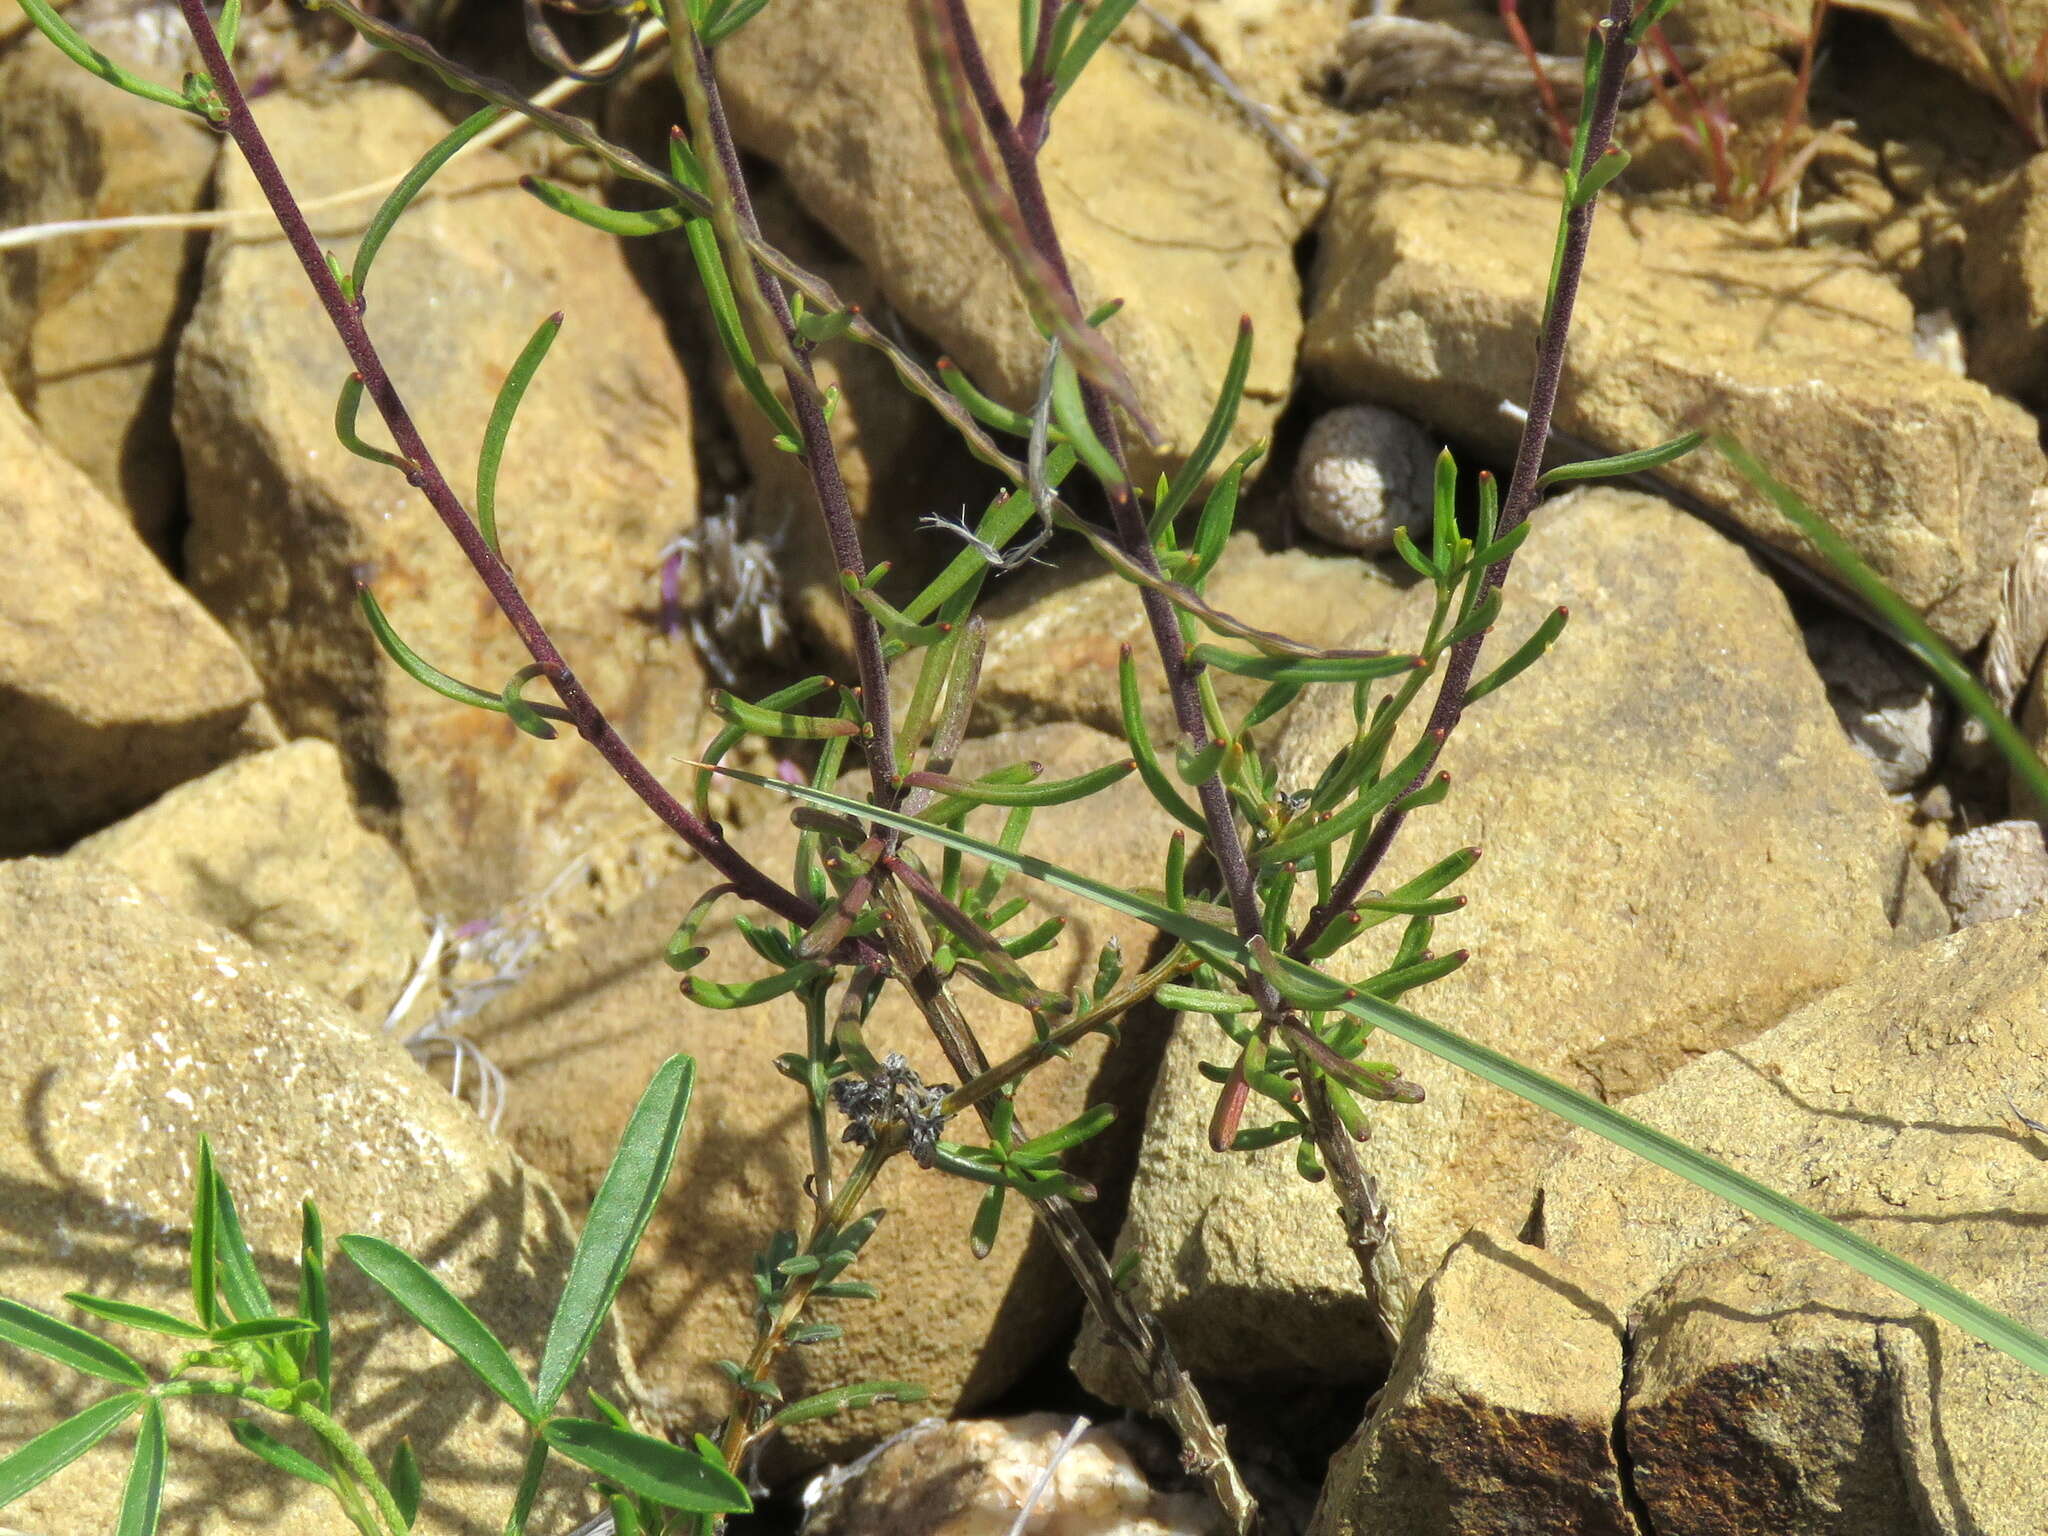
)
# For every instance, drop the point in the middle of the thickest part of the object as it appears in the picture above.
(887, 887)
(281, 1362)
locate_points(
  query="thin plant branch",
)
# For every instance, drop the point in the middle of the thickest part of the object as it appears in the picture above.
(424, 474)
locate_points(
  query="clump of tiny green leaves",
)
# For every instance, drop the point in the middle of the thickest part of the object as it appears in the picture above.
(888, 887)
(278, 1361)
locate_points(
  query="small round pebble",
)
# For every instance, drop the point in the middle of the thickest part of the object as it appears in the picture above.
(1993, 872)
(1364, 471)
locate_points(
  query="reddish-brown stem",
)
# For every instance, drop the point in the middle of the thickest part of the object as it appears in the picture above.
(1511, 18)
(425, 475)
(820, 456)
(1522, 490)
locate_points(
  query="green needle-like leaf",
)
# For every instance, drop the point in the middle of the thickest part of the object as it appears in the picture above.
(142, 1497)
(1709, 1173)
(261, 1328)
(499, 427)
(435, 1308)
(346, 409)
(653, 1469)
(239, 1281)
(404, 1480)
(1189, 476)
(862, 1394)
(627, 222)
(61, 1444)
(386, 217)
(1636, 463)
(83, 54)
(424, 672)
(618, 1217)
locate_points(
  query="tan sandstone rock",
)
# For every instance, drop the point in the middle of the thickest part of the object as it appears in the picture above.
(1772, 1390)
(88, 324)
(269, 848)
(114, 684)
(1499, 1414)
(834, 96)
(980, 1477)
(1679, 846)
(126, 1031)
(1055, 636)
(585, 1029)
(598, 476)
(1428, 293)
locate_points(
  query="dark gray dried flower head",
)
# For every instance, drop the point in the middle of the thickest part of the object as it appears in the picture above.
(893, 1096)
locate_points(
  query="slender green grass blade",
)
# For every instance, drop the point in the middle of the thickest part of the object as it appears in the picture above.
(1907, 626)
(618, 1218)
(1915, 1284)
(239, 1281)
(260, 1443)
(131, 1315)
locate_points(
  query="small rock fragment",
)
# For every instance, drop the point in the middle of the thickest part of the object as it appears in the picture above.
(1988, 873)
(1887, 704)
(975, 1477)
(1364, 471)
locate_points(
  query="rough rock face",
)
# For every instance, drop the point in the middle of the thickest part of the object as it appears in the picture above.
(2005, 281)
(126, 1030)
(1771, 1390)
(597, 477)
(114, 684)
(1499, 1415)
(1993, 872)
(978, 1478)
(1679, 846)
(834, 97)
(88, 325)
(1054, 636)
(1713, 26)
(586, 1029)
(1428, 293)
(269, 848)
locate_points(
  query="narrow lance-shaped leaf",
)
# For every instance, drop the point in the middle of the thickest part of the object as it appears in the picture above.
(1639, 462)
(1040, 793)
(995, 207)
(240, 1283)
(409, 187)
(259, 1442)
(428, 1302)
(80, 52)
(618, 1218)
(132, 1315)
(319, 1348)
(1709, 1173)
(1215, 433)
(347, 408)
(142, 1496)
(422, 671)
(1143, 753)
(653, 1469)
(627, 223)
(863, 1394)
(404, 1480)
(499, 427)
(204, 1242)
(1524, 656)
(63, 1443)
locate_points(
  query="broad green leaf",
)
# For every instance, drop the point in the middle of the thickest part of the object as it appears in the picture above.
(148, 1319)
(61, 1444)
(653, 1469)
(437, 1309)
(259, 1442)
(54, 1340)
(1709, 1173)
(618, 1218)
(142, 1497)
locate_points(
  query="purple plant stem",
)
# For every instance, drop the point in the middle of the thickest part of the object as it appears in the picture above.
(820, 458)
(1522, 490)
(425, 475)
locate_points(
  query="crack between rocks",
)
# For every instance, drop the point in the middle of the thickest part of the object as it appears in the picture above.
(1624, 1464)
